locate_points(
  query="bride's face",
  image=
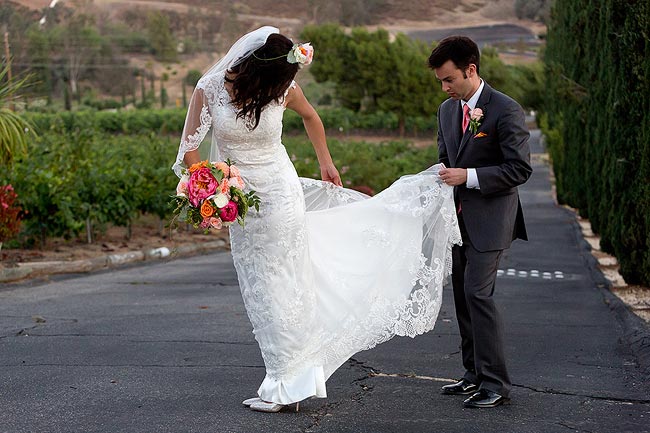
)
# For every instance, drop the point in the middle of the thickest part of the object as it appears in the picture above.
(455, 83)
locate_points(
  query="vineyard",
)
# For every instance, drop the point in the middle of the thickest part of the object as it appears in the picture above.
(94, 170)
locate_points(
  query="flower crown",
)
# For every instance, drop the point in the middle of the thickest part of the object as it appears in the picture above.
(300, 53)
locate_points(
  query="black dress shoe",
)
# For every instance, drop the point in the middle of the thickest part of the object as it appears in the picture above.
(485, 398)
(464, 387)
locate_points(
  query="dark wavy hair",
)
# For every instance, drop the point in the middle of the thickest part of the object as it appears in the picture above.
(263, 77)
(461, 50)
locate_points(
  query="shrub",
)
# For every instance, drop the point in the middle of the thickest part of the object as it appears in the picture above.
(85, 179)
(10, 213)
(597, 122)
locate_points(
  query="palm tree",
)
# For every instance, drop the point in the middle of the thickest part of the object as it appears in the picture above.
(15, 131)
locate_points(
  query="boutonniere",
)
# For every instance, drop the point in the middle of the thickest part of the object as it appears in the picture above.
(475, 118)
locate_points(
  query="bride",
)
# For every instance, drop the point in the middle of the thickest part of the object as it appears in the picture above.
(324, 271)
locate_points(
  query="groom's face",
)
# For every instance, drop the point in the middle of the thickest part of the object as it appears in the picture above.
(455, 83)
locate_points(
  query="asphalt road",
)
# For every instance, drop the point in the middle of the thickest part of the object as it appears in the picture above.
(483, 35)
(167, 347)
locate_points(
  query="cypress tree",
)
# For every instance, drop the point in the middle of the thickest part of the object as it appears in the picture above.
(596, 119)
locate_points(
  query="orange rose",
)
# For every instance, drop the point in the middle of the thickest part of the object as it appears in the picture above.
(206, 209)
(197, 166)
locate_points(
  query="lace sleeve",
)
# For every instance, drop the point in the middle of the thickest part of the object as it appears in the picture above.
(197, 125)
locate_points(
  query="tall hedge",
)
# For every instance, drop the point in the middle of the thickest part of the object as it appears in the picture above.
(597, 121)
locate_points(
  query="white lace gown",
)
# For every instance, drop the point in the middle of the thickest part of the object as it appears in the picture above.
(324, 271)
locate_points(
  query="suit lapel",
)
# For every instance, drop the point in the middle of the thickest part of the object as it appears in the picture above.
(482, 102)
(456, 118)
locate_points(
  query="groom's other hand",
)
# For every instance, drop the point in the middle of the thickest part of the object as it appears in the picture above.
(453, 176)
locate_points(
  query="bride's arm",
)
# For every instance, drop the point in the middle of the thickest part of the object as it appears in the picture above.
(314, 126)
(197, 124)
(191, 157)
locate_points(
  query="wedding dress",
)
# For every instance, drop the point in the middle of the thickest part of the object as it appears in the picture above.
(324, 271)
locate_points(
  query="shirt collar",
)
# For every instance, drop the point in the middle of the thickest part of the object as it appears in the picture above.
(474, 99)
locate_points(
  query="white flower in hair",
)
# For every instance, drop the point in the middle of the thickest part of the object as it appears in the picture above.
(301, 53)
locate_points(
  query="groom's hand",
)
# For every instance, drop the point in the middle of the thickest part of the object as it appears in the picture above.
(453, 176)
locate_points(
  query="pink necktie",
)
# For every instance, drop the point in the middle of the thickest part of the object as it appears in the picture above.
(465, 117)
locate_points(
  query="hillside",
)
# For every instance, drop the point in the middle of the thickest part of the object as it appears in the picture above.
(388, 13)
(215, 24)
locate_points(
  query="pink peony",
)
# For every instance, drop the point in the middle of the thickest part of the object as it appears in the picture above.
(229, 212)
(477, 114)
(201, 185)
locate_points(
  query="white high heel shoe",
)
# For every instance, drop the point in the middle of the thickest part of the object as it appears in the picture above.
(250, 401)
(263, 406)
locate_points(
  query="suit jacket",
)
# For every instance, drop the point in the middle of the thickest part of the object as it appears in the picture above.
(500, 154)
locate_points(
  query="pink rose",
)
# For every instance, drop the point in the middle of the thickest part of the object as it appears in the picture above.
(201, 185)
(229, 212)
(477, 114)
(225, 186)
(205, 224)
(215, 222)
(234, 171)
(310, 54)
(181, 188)
(223, 167)
(237, 182)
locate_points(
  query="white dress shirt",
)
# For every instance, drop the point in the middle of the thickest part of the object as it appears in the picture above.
(472, 177)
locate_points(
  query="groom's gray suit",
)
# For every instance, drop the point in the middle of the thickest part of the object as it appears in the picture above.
(490, 218)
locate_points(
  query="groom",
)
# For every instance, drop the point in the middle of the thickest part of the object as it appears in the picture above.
(483, 142)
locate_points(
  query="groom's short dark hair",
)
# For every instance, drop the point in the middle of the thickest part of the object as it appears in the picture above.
(459, 49)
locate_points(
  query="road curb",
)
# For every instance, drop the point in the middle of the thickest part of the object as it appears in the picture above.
(21, 271)
(636, 332)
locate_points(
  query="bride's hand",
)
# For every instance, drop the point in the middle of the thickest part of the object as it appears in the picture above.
(329, 173)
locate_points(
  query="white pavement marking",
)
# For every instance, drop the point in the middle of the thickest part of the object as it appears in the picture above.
(533, 273)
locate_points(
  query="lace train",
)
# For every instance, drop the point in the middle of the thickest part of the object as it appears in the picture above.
(353, 273)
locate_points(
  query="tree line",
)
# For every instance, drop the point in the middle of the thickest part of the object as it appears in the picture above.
(372, 71)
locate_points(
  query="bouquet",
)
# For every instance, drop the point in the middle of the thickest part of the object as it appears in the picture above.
(210, 195)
